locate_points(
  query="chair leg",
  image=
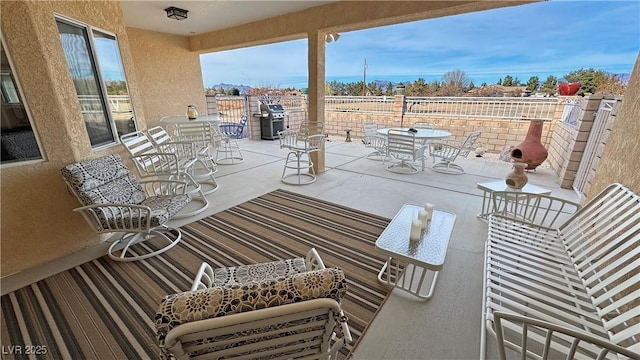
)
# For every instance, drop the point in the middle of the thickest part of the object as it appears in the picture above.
(297, 165)
(447, 167)
(228, 150)
(402, 164)
(122, 250)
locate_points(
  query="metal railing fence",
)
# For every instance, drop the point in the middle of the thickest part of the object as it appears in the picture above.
(363, 104)
(483, 107)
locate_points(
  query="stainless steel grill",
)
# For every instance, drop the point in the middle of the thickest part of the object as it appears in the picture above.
(271, 119)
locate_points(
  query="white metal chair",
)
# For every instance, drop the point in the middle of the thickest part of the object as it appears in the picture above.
(401, 146)
(427, 149)
(371, 139)
(301, 144)
(203, 136)
(229, 147)
(189, 157)
(114, 201)
(525, 335)
(208, 277)
(290, 317)
(152, 164)
(449, 150)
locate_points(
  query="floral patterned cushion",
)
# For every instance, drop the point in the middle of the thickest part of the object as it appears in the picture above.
(103, 180)
(229, 276)
(163, 207)
(214, 302)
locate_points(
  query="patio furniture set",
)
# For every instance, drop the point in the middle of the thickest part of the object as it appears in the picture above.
(557, 277)
(408, 146)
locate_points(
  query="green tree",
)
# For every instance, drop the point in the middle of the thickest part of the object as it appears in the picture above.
(533, 83)
(389, 90)
(420, 88)
(550, 85)
(499, 82)
(589, 78)
(508, 81)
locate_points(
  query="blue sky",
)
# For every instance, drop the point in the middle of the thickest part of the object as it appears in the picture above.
(541, 39)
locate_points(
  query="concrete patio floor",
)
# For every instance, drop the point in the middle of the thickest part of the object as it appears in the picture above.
(448, 325)
(445, 327)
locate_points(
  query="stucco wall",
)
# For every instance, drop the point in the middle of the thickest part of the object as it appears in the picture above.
(619, 162)
(168, 73)
(38, 222)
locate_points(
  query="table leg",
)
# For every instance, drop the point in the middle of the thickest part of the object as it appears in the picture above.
(411, 280)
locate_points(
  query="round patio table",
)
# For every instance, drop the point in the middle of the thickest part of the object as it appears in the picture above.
(422, 134)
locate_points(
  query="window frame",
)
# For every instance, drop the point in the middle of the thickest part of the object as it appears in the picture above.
(104, 97)
(23, 102)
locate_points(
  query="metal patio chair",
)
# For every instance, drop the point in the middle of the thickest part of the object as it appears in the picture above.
(371, 139)
(298, 166)
(449, 150)
(401, 146)
(152, 164)
(297, 316)
(229, 147)
(190, 159)
(114, 201)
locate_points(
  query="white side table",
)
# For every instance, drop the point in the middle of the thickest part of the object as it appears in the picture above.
(489, 187)
(419, 257)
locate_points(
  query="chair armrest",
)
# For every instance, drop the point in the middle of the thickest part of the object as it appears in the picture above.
(288, 138)
(204, 277)
(445, 150)
(375, 141)
(156, 164)
(537, 337)
(159, 187)
(183, 149)
(313, 260)
(314, 141)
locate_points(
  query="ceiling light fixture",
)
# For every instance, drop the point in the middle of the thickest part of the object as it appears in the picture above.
(176, 13)
(331, 37)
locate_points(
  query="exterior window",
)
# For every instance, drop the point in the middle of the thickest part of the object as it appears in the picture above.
(98, 76)
(18, 140)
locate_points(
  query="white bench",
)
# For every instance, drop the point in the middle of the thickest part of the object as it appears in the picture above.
(581, 275)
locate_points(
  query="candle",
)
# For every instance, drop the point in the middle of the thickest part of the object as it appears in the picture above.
(423, 216)
(416, 230)
(429, 208)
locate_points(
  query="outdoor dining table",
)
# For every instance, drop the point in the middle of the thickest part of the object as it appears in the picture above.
(175, 121)
(183, 119)
(421, 134)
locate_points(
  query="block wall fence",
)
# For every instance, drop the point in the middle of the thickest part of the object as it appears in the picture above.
(564, 142)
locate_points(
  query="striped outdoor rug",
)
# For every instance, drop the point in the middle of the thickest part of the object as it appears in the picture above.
(105, 309)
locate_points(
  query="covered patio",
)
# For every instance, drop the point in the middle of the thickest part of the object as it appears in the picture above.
(41, 235)
(404, 328)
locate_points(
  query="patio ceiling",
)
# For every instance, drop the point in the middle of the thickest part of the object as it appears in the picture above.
(206, 16)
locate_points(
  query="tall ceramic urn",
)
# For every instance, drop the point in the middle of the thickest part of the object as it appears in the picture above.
(531, 151)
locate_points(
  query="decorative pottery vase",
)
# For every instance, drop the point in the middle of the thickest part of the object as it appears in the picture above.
(531, 151)
(517, 179)
(568, 89)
